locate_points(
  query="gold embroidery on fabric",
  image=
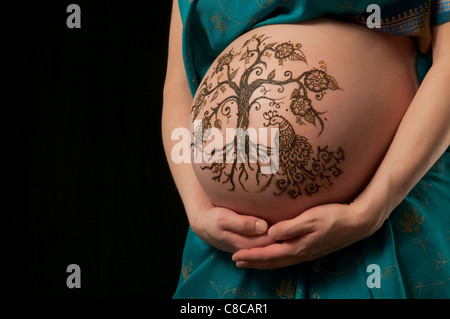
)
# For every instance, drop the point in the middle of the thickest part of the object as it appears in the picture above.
(389, 271)
(259, 3)
(327, 273)
(438, 166)
(237, 291)
(412, 223)
(187, 270)
(423, 200)
(417, 288)
(349, 5)
(287, 291)
(220, 23)
(441, 6)
(412, 22)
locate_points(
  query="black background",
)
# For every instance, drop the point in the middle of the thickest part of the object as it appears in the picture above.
(87, 179)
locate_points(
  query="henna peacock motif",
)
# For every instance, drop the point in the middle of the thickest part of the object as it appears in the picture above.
(300, 173)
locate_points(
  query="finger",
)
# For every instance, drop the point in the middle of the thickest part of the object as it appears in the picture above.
(268, 265)
(242, 224)
(273, 256)
(232, 242)
(262, 254)
(239, 242)
(288, 229)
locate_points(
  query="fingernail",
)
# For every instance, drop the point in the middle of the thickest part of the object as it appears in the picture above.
(260, 227)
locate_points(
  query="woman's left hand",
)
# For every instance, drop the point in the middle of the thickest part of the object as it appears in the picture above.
(315, 233)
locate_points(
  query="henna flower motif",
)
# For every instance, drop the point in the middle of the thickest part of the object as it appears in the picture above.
(284, 50)
(316, 80)
(287, 50)
(299, 105)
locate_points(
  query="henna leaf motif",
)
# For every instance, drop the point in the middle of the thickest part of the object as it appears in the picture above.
(214, 96)
(233, 74)
(332, 84)
(310, 117)
(295, 94)
(296, 56)
(270, 45)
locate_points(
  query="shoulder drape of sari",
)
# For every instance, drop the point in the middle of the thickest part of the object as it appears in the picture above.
(210, 25)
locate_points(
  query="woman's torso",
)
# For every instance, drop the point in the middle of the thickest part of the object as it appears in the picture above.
(336, 91)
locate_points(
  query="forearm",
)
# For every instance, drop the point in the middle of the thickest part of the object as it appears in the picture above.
(177, 102)
(422, 137)
(176, 115)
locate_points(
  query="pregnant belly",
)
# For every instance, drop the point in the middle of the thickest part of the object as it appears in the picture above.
(293, 116)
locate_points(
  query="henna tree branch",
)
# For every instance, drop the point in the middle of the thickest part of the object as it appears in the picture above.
(228, 80)
(221, 104)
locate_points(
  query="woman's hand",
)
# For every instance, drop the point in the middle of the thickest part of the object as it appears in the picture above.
(324, 229)
(315, 233)
(230, 231)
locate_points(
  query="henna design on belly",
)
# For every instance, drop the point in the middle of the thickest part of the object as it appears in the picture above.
(302, 171)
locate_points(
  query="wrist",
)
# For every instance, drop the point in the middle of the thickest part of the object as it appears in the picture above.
(370, 212)
(377, 201)
(195, 210)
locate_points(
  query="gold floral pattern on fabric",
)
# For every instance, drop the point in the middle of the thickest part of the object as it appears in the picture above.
(317, 266)
(412, 223)
(187, 270)
(236, 292)
(418, 286)
(220, 23)
(287, 290)
(439, 167)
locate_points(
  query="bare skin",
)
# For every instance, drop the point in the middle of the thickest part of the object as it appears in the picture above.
(336, 115)
(326, 228)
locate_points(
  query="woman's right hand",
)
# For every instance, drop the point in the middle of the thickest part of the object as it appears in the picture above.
(230, 231)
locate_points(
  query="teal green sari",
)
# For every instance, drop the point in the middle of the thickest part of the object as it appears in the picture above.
(411, 250)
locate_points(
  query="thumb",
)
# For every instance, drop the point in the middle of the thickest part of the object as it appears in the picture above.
(244, 225)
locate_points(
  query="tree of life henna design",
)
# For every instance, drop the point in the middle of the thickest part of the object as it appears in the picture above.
(301, 172)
